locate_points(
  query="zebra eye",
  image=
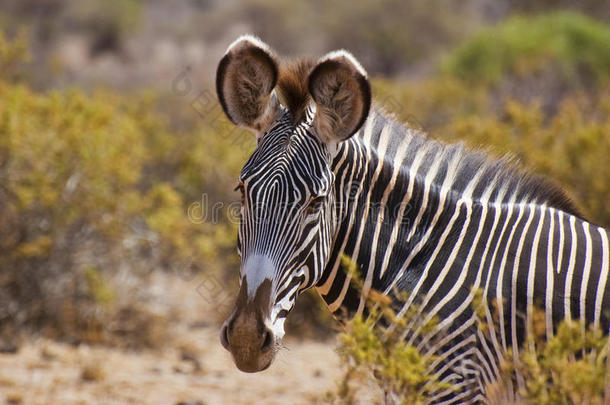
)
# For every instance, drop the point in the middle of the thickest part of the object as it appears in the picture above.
(315, 205)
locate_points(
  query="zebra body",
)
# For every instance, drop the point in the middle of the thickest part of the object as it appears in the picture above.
(441, 235)
(333, 177)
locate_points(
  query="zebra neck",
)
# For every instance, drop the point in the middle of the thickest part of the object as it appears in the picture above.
(385, 213)
(397, 192)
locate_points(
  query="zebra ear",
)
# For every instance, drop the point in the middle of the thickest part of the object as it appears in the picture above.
(245, 79)
(341, 91)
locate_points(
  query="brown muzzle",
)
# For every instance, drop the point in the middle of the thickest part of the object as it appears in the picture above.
(245, 333)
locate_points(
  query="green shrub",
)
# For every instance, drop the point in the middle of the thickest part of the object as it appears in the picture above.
(13, 53)
(378, 363)
(570, 367)
(579, 46)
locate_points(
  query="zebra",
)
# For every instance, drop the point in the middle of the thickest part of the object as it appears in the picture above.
(334, 176)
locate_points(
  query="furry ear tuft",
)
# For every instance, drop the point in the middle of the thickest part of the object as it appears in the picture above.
(245, 79)
(341, 91)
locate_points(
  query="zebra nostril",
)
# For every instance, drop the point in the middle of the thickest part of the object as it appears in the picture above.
(267, 342)
(224, 337)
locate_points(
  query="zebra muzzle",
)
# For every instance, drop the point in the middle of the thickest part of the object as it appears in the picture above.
(245, 333)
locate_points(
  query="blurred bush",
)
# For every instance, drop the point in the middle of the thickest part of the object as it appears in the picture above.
(595, 8)
(570, 148)
(108, 22)
(570, 367)
(578, 47)
(310, 318)
(89, 185)
(380, 365)
(407, 33)
(95, 186)
(13, 54)
(385, 42)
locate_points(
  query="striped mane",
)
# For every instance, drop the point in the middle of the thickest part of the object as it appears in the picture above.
(500, 180)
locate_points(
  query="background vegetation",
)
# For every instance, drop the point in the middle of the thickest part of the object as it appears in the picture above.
(117, 165)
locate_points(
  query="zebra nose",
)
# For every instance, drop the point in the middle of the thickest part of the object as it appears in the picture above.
(251, 343)
(262, 336)
(226, 329)
(246, 334)
(267, 341)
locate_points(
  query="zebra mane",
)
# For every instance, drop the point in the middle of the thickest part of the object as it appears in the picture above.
(500, 180)
(497, 179)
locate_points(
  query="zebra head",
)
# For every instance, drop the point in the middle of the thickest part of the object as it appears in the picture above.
(300, 112)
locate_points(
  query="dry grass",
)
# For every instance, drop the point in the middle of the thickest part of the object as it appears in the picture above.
(93, 372)
(14, 399)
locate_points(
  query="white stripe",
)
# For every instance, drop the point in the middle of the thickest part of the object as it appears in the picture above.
(452, 256)
(424, 275)
(602, 286)
(445, 322)
(531, 274)
(586, 274)
(402, 149)
(444, 191)
(570, 273)
(428, 181)
(433, 171)
(513, 292)
(400, 156)
(499, 292)
(488, 315)
(447, 266)
(325, 288)
(460, 281)
(454, 334)
(550, 276)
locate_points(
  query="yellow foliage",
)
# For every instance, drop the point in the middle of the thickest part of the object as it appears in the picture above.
(375, 354)
(38, 247)
(95, 180)
(13, 53)
(98, 287)
(571, 367)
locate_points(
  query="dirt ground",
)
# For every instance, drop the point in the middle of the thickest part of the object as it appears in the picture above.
(190, 368)
(197, 371)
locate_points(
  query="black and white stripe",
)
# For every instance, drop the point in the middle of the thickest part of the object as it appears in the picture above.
(436, 221)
